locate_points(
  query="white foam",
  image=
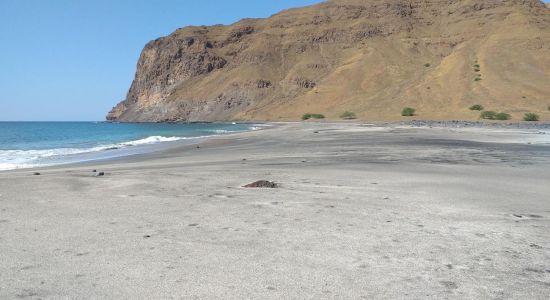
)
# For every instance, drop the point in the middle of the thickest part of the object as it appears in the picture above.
(17, 159)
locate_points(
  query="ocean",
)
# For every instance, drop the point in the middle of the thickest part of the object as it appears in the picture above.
(36, 144)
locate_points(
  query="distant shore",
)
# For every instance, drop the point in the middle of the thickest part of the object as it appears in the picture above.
(361, 210)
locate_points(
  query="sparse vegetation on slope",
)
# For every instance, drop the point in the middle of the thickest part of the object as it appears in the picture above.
(531, 117)
(488, 115)
(502, 116)
(348, 115)
(492, 115)
(477, 107)
(312, 116)
(408, 112)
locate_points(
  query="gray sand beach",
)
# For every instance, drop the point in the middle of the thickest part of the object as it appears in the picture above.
(361, 211)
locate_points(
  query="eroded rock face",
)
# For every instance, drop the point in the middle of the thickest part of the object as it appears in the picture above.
(365, 56)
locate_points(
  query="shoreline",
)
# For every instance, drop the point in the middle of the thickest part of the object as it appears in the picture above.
(189, 144)
(123, 149)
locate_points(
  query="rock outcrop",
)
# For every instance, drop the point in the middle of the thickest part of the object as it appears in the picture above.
(371, 57)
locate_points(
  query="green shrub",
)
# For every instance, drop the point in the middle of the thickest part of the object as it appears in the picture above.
(317, 116)
(476, 107)
(477, 70)
(408, 112)
(488, 115)
(312, 116)
(427, 65)
(548, 107)
(531, 117)
(503, 116)
(477, 79)
(477, 66)
(348, 115)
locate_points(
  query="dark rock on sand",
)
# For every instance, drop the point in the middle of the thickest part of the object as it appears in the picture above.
(262, 184)
(100, 174)
(36, 174)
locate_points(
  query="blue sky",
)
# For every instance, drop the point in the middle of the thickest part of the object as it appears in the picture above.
(75, 59)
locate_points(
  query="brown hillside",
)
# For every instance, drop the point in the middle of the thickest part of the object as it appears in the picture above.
(372, 57)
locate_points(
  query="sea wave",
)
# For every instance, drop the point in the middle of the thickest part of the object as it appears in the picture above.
(18, 159)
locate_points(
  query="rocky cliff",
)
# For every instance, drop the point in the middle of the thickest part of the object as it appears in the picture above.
(372, 57)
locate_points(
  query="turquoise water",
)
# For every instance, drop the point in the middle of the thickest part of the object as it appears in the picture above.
(32, 144)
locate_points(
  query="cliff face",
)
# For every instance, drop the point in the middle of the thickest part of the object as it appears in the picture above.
(372, 57)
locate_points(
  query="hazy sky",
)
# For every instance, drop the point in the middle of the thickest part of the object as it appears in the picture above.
(75, 59)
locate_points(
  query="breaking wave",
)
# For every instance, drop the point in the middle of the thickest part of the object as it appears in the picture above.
(18, 159)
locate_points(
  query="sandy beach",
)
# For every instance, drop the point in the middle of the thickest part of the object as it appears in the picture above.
(362, 211)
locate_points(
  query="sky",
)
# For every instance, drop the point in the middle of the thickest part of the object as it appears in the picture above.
(73, 60)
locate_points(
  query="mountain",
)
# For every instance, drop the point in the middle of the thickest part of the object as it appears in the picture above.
(370, 57)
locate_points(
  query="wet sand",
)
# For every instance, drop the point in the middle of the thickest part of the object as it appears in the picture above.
(361, 212)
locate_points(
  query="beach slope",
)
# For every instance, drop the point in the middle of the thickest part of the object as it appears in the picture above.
(360, 211)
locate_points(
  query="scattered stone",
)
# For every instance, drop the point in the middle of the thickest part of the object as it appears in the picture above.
(527, 216)
(94, 171)
(146, 236)
(450, 285)
(193, 225)
(316, 132)
(100, 174)
(198, 147)
(262, 184)
(535, 246)
(36, 174)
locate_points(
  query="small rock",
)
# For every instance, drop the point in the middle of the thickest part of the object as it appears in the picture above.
(100, 174)
(262, 184)
(93, 171)
(146, 236)
(316, 132)
(198, 147)
(535, 246)
(36, 173)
